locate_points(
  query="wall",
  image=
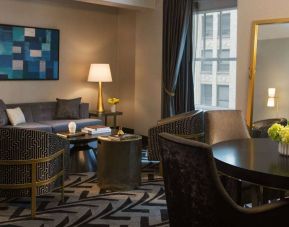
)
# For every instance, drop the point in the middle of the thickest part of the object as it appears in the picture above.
(248, 11)
(148, 68)
(272, 71)
(126, 66)
(88, 34)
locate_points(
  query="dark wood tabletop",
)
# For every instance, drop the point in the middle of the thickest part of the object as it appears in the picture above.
(254, 160)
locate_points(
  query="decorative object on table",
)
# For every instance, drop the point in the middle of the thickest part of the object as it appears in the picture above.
(72, 127)
(70, 135)
(29, 53)
(280, 134)
(96, 129)
(271, 102)
(120, 132)
(99, 73)
(113, 102)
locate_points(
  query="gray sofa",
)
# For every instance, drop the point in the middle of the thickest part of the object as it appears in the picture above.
(40, 116)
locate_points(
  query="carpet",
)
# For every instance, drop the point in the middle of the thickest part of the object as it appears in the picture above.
(85, 205)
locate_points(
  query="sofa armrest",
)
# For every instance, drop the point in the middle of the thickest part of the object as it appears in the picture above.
(83, 110)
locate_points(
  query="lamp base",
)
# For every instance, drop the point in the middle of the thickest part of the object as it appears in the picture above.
(100, 108)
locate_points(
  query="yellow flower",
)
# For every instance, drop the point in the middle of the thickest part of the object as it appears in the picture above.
(113, 101)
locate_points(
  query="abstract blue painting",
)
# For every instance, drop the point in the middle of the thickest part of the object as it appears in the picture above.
(28, 53)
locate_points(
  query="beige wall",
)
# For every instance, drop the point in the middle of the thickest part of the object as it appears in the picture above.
(87, 34)
(248, 11)
(148, 69)
(126, 66)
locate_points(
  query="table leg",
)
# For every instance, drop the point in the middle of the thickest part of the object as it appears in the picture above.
(114, 121)
(105, 120)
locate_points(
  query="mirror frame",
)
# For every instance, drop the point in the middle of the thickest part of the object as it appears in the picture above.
(253, 60)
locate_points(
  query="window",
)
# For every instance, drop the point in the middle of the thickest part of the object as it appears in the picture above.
(223, 96)
(224, 25)
(207, 64)
(223, 65)
(206, 97)
(214, 62)
(207, 22)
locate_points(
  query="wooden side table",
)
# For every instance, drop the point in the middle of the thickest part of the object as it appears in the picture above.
(119, 164)
(106, 114)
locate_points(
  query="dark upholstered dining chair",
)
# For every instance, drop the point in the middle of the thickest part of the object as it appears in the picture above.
(195, 195)
(260, 128)
(31, 163)
(222, 125)
(188, 125)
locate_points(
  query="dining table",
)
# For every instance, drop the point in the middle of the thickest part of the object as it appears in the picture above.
(255, 160)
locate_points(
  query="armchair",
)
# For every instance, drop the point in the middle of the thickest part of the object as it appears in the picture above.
(188, 125)
(31, 163)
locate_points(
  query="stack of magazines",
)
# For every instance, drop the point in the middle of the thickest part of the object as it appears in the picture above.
(96, 129)
(121, 138)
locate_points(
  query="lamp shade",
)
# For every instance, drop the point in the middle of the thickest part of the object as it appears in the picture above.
(271, 102)
(271, 92)
(99, 73)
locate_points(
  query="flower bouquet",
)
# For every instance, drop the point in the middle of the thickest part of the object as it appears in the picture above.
(113, 102)
(280, 134)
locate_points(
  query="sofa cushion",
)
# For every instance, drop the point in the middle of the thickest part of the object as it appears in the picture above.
(3, 114)
(15, 116)
(35, 126)
(67, 108)
(62, 125)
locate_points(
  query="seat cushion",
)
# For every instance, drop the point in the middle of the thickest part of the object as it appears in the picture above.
(35, 126)
(62, 125)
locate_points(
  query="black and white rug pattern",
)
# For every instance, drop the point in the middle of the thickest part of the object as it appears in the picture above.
(85, 205)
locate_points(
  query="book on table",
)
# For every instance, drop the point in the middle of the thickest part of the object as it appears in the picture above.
(96, 129)
(69, 135)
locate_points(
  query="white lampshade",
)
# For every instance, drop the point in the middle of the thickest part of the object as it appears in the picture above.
(99, 73)
(271, 102)
(271, 92)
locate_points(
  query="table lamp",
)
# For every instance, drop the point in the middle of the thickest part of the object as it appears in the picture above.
(99, 73)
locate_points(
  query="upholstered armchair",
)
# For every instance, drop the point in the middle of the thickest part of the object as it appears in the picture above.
(260, 128)
(31, 163)
(188, 125)
(195, 195)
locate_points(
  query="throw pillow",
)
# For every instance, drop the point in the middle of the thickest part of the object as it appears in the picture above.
(3, 114)
(15, 116)
(67, 108)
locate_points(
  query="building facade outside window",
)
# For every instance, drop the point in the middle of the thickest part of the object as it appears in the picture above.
(214, 64)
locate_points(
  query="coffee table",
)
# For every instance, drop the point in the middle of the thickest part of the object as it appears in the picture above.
(83, 156)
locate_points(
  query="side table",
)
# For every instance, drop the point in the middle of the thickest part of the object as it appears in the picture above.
(106, 114)
(119, 163)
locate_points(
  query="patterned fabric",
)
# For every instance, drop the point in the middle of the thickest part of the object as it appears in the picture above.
(195, 195)
(22, 144)
(67, 108)
(188, 125)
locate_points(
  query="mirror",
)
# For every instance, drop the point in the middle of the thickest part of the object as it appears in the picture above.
(268, 95)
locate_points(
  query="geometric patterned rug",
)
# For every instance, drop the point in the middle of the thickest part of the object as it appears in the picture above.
(84, 205)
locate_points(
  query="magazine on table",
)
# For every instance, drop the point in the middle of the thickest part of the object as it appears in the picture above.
(96, 129)
(69, 135)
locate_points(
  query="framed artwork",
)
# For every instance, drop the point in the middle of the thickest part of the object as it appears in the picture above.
(28, 53)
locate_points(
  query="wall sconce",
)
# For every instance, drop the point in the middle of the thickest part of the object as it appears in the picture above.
(271, 97)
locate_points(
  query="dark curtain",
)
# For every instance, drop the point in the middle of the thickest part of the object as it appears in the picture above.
(178, 87)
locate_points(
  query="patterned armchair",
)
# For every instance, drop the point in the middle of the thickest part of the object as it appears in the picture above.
(31, 163)
(188, 125)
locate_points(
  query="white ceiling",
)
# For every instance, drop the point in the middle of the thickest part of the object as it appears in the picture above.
(138, 4)
(273, 31)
